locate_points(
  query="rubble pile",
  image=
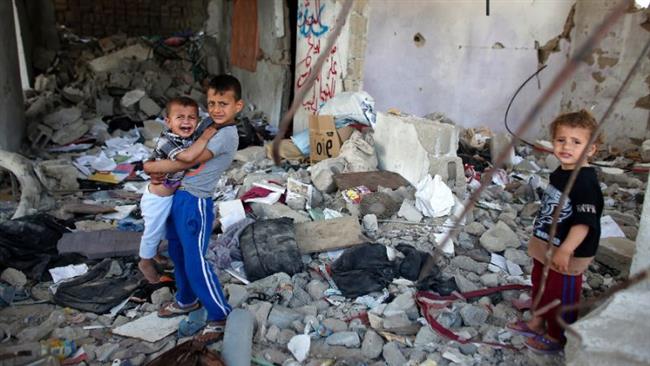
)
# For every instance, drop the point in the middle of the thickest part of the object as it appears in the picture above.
(348, 255)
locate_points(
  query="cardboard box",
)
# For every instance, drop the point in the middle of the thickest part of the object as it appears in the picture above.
(324, 141)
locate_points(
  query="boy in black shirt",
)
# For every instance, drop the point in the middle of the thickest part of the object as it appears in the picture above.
(577, 235)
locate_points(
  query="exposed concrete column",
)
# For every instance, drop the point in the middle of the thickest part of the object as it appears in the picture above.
(641, 259)
(12, 114)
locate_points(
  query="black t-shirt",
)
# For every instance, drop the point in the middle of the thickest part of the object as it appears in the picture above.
(583, 206)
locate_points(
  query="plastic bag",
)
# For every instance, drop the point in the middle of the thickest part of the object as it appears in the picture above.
(433, 198)
(351, 107)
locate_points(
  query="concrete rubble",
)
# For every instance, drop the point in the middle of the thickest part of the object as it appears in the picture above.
(384, 327)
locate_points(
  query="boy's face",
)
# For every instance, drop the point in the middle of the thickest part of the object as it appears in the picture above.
(182, 120)
(222, 106)
(568, 144)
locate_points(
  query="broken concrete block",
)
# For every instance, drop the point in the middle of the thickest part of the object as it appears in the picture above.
(372, 344)
(70, 132)
(379, 204)
(104, 105)
(370, 223)
(160, 86)
(14, 277)
(372, 180)
(39, 134)
(57, 175)
(392, 354)
(348, 339)
(499, 237)
(645, 151)
(326, 235)
(151, 129)
(62, 117)
(45, 83)
(498, 143)
(132, 97)
(409, 212)
(100, 244)
(73, 94)
(323, 172)
(616, 253)
(415, 147)
(149, 107)
(278, 210)
(119, 80)
(111, 61)
(251, 154)
(150, 328)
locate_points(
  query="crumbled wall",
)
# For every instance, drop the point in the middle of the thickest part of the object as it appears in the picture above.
(134, 17)
(601, 74)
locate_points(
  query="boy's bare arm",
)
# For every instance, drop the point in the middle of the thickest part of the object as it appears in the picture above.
(576, 235)
(173, 166)
(191, 153)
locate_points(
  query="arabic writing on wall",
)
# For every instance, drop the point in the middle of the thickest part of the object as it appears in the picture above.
(312, 29)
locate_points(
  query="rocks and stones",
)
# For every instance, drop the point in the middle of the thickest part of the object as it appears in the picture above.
(237, 294)
(473, 316)
(347, 338)
(132, 97)
(490, 280)
(616, 253)
(498, 238)
(14, 277)
(161, 296)
(475, 228)
(379, 204)
(517, 256)
(645, 151)
(393, 355)
(370, 223)
(282, 317)
(409, 212)
(372, 345)
(70, 132)
(62, 117)
(468, 264)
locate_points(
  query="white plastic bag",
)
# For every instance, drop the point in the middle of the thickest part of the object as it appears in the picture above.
(433, 198)
(355, 106)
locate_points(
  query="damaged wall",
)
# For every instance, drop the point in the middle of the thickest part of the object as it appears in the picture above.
(597, 80)
(267, 88)
(134, 17)
(343, 69)
(12, 117)
(452, 58)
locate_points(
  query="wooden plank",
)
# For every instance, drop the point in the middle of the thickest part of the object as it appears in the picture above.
(371, 180)
(244, 41)
(326, 235)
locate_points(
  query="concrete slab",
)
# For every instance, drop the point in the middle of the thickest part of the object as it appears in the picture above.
(326, 235)
(372, 180)
(415, 147)
(613, 334)
(150, 328)
(616, 253)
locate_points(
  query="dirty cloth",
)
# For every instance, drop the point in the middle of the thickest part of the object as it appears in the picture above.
(29, 244)
(225, 249)
(95, 291)
(366, 268)
(268, 247)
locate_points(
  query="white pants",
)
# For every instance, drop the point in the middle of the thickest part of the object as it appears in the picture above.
(155, 210)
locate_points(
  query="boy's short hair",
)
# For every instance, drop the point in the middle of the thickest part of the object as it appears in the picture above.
(223, 83)
(580, 119)
(183, 102)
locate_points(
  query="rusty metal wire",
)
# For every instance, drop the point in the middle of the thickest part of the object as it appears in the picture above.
(564, 75)
(582, 159)
(300, 93)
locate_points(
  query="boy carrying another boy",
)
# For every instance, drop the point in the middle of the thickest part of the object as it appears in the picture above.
(177, 142)
(190, 221)
(577, 236)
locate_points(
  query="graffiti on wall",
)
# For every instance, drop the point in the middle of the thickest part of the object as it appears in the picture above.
(312, 38)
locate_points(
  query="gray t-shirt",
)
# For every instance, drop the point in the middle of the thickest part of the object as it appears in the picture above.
(202, 180)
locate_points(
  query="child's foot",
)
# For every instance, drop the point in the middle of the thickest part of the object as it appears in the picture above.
(544, 344)
(212, 332)
(522, 328)
(148, 269)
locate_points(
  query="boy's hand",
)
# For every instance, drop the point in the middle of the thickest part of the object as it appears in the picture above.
(209, 132)
(560, 259)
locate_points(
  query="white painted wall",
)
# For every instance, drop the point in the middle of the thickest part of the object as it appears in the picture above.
(316, 20)
(457, 71)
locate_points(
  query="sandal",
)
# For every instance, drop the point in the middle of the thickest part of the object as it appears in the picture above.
(541, 344)
(521, 327)
(212, 332)
(171, 309)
